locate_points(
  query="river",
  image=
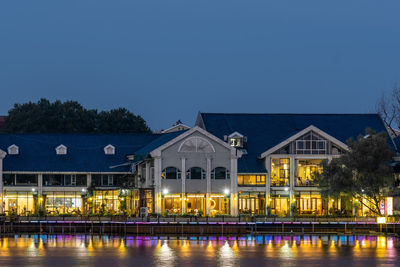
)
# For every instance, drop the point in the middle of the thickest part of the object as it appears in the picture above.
(271, 250)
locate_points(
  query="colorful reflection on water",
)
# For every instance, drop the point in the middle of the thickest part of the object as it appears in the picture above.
(67, 250)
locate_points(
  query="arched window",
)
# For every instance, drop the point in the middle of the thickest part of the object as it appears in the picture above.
(196, 144)
(196, 173)
(220, 173)
(171, 173)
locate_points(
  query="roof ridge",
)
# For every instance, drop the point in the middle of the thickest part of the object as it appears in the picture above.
(216, 113)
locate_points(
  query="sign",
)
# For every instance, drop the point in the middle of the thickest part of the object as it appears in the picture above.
(382, 206)
(389, 206)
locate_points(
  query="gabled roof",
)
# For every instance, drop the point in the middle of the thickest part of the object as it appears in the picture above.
(85, 151)
(301, 133)
(176, 128)
(157, 150)
(265, 131)
(161, 140)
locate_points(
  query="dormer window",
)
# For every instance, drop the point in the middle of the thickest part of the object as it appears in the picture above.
(236, 140)
(61, 150)
(13, 150)
(109, 150)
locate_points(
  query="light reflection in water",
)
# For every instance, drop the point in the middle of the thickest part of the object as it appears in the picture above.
(165, 256)
(225, 251)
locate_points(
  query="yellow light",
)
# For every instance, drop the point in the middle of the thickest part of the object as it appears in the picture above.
(294, 200)
(381, 220)
(332, 200)
(41, 199)
(90, 199)
(269, 199)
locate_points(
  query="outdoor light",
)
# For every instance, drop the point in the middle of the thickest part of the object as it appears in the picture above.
(226, 191)
(362, 190)
(33, 189)
(286, 189)
(83, 190)
(165, 191)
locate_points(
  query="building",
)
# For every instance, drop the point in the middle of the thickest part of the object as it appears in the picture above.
(226, 164)
(281, 152)
(70, 173)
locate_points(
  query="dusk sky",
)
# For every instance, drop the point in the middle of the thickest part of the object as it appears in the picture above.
(168, 59)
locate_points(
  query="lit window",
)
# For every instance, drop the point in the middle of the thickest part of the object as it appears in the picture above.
(236, 140)
(251, 180)
(280, 171)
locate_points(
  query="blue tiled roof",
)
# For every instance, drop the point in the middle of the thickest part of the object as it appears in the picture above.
(265, 131)
(85, 151)
(162, 139)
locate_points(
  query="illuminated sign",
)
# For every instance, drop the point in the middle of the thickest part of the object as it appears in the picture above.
(382, 206)
(389, 206)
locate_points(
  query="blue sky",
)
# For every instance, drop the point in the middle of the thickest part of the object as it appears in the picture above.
(168, 59)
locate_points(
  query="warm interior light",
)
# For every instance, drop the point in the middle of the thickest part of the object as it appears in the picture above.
(226, 191)
(381, 220)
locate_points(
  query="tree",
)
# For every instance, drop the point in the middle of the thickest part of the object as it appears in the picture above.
(70, 117)
(362, 172)
(388, 107)
(121, 119)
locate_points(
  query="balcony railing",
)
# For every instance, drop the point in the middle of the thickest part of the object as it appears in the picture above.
(280, 182)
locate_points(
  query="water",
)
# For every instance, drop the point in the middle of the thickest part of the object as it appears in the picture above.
(273, 250)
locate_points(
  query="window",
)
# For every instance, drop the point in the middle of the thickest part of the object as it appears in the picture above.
(171, 173)
(196, 144)
(310, 143)
(306, 171)
(196, 173)
(64, 179)
(61, 150)
(109, 150)
(13, 150)
(236, 141)
(280, 172)
(251, 180)
(220, 173)
(103, 179)
(20, 179)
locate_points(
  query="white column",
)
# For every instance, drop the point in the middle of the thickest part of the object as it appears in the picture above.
(2, 156)
(88, 180)
(208, 179)
(40, 184)
(148, 178)
(234, 187)
(183, 178)
(291, 183)
(157, 184)
(267, 184)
